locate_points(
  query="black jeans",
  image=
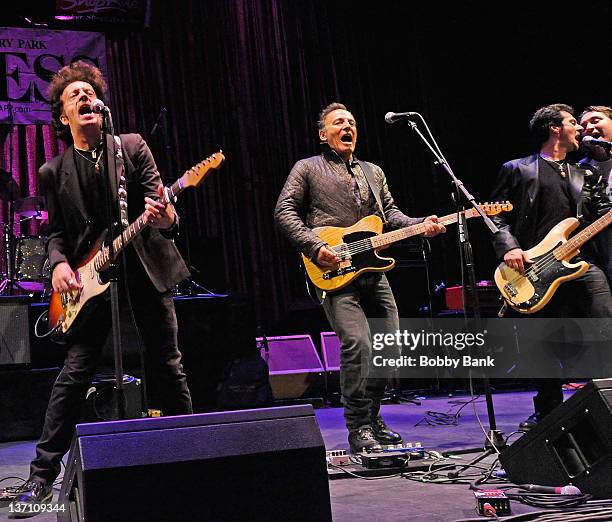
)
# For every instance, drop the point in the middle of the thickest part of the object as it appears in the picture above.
(156, 320)
(586, 296)
(347, 311)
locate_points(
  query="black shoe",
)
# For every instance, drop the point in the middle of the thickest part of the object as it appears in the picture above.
(384, 434)
(362, 439)
(530, 422)
(30, 493)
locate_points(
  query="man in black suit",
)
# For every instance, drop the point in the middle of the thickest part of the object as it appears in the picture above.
(75, 192)
(544, 189)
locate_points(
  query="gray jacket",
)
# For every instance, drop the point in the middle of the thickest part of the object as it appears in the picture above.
(316, 194)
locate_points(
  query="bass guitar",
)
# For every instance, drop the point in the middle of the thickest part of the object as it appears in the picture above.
(551, 266)
(68, 310)
(357, 246)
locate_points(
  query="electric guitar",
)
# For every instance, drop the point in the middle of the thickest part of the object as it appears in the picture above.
(68, 310)
(551, 266)
(357, 246)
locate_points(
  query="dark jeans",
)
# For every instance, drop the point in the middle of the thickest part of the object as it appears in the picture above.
(347, 310)
(156, 320)
(586, 296)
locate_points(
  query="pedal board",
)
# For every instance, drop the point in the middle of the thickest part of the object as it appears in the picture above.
(393, 459)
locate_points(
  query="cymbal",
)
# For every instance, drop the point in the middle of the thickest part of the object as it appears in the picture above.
(30, 206)
(9, 190)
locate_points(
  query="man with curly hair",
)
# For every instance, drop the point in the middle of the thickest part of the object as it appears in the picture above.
(75, 193)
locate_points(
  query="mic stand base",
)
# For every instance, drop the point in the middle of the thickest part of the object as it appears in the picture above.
(494, 437)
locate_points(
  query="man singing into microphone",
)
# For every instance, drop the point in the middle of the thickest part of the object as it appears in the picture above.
(546, 188)
(336, 189)
(596, 120)
(74, 189)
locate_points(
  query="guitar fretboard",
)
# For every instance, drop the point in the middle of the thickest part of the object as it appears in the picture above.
(414, 230)
(573, 244)
(102, 259)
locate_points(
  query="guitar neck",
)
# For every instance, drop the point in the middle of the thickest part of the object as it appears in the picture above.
(133, 229)
(414, 230)
(574, 243)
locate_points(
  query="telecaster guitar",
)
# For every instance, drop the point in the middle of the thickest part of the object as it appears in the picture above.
(358, 245)
(551, 266)
(68, 310)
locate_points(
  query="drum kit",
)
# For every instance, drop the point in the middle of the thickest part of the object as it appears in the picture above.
(25, 265)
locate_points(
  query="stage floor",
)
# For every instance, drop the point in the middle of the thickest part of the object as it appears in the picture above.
(392, 499)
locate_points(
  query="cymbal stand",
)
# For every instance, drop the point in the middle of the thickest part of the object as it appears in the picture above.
(8, 241)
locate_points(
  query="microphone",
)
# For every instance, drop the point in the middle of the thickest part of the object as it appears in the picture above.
(162, 113)
(564, 490)
(589, 140)
(98, 106)
(392, 117)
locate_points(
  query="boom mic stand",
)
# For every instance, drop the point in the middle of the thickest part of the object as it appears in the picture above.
(108, 132)
(494, 438)
(161, 124)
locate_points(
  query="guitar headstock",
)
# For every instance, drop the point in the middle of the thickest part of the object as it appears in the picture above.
(492, 209)
(196, 174)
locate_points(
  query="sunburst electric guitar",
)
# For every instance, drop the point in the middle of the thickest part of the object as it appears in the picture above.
(357, 246)
(68, 310)
(551, 266)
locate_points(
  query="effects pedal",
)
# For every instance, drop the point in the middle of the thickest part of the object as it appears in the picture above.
(8, 495)
(384, 459)
(414, 449)
(337, 458)
(492, 502)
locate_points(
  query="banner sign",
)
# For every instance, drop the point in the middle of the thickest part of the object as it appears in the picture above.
(28, 60)
(113, 13)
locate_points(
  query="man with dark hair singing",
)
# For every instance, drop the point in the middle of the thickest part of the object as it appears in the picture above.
(74, 189)
(336, 189)
(596, 121)
(544, 189)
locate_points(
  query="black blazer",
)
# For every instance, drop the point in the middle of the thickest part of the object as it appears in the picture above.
(518, 182)
(71, 235)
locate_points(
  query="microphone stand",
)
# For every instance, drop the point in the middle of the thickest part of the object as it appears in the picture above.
(494, 438)
(161, 123)
(108, 132)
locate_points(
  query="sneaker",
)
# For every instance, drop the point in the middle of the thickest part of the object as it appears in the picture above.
(384, 434)
(530, 422)
(31, 492)
(362, 439)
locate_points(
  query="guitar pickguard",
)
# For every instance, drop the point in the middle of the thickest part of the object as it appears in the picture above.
(542, 279)
(359, 261)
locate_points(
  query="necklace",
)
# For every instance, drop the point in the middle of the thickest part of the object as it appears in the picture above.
(560, 164)
(94, 153)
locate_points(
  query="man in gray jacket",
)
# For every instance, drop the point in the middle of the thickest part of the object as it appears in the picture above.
(336, 189)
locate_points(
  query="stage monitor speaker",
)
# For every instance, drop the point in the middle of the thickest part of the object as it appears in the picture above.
(330, 348)
(296, 370)
(571, 445)
(266, 464)
(14, 331)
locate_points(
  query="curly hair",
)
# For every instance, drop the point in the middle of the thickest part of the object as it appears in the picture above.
(545, 118)
(604, 109)
(76, 71)
(330, 108)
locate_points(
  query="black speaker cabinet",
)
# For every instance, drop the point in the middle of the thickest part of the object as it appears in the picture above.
(14, 331)
(572, 445)
(266, 464)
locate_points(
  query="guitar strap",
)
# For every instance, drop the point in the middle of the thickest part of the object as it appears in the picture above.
(122, 190)
(369, 175)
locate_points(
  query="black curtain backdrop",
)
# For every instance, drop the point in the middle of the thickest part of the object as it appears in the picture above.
(250, 77)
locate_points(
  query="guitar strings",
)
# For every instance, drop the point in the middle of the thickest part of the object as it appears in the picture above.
(538, 266)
